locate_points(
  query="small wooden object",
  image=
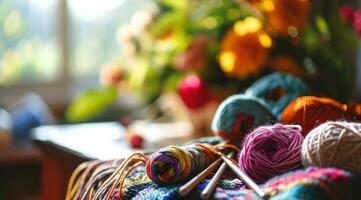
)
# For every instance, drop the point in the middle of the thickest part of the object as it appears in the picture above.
(241, 175)
(207, 192)
(188, 187)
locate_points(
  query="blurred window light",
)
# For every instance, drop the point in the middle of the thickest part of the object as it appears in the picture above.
(93, 29)
(32, 41)
(28, 41)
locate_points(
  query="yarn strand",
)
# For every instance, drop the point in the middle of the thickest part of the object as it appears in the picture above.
(170, 165)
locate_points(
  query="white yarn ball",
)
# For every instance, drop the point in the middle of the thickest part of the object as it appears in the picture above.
(336, 144)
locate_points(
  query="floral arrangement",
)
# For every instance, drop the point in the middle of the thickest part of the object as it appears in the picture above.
(206, 50)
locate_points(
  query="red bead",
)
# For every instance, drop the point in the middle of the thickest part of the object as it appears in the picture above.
(193, 92)
(136, 141)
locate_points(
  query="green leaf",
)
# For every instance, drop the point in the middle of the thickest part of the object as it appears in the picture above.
(90, 104)
(322, 25)
(173, 80)
(175, 4)
(169, 22)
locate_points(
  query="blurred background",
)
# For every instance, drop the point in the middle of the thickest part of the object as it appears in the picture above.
(126, 72)
(53, 46)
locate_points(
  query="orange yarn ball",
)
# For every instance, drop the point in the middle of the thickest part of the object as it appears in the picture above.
(353, 111)
(309, 112)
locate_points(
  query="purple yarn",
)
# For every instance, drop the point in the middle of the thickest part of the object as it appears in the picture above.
(269, 151)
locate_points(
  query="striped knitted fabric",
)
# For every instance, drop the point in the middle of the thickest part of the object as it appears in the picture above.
(139, 187)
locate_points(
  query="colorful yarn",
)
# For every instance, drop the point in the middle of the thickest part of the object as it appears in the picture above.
(314, 184)
(309, 111)
(309, 184)
(239, 114)
(334, 144)
(94, 177)
(137, 187)
(278, 90)
(269, 151)
(173, 164)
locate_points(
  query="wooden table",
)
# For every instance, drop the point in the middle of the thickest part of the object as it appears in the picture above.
(64, 147)
(20, 171)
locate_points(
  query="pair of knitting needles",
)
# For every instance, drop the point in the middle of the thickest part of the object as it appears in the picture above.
(227, 162)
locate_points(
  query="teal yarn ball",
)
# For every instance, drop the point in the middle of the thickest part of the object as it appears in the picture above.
(239, 114)
(277, 90)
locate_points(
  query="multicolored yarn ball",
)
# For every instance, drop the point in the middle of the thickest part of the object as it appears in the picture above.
(239, 114)
(172, 164)
(269, 151)
(310, 111)
(314, 184)
(278, 90)
(334, 144)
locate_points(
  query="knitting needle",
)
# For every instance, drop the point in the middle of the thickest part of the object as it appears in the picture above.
(185, 189)
(207, 192)
(241, 175)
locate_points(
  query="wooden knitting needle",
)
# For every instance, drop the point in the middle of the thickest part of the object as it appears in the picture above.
(185, 189)
(207, 192)
(241, 175)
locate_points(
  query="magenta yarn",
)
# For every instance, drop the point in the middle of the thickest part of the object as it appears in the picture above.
(269, 151)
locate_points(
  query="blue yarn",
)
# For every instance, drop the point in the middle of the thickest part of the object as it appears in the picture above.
(292, 86)
(227, 113)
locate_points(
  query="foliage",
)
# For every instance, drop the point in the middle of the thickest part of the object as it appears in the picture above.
(90, 104)
(229, 44)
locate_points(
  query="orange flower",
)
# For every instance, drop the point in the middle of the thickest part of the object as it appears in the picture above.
(287, 64)
(244, 49)
(288, 17)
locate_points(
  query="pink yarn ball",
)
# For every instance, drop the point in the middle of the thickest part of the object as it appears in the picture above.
(269, 151)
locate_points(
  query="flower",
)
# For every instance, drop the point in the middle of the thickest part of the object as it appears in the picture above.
(244, 49)
(195, 56)
(357, 22)
(193, 92)
(142, 20)
(288, 17)
(347, 13)
(110, 74)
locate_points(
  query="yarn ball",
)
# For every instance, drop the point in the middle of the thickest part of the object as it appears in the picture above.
(334, 144)
(193, 92)
(238, 114)
(278, 90)
(172, 164)
(269, 151)
(314, 184)
(310, 111)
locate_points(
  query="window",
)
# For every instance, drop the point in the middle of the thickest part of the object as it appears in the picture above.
(47, 42)
(93, 28)
(28, 41)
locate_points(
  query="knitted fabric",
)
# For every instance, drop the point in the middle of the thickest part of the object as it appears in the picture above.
(139, 187)
(309, 184)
